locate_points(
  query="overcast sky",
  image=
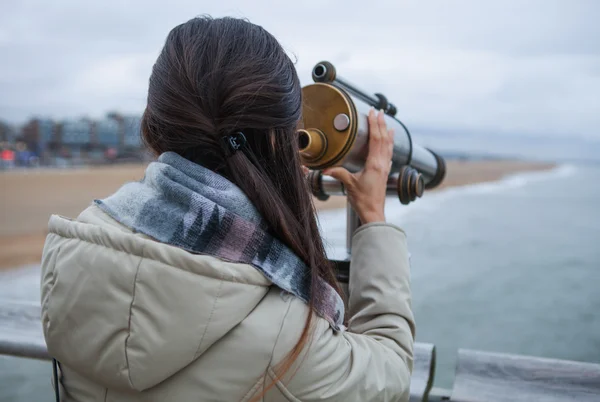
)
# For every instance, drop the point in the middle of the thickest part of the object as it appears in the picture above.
(516, 66)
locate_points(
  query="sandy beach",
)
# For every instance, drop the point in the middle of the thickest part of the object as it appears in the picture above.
(28, 198)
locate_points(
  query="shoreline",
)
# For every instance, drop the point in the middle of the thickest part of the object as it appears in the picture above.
(29, 199)
(463, 173)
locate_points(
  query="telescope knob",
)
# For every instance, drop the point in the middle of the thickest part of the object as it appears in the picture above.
(315, 178)
(385, 105)
(392, 110)
(410, 185)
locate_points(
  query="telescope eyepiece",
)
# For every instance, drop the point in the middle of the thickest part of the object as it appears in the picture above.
(323, 72)
(312, 144)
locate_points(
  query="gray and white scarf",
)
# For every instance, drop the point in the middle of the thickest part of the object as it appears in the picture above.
(186, 205)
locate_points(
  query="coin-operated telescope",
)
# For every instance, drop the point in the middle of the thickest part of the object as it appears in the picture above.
(335, 132)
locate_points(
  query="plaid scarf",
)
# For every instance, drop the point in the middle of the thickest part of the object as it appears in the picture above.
(183, 204)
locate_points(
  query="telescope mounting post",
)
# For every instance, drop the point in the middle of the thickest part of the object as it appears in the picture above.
(352, 223)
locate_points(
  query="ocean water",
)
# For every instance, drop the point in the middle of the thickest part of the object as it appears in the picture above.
(511, 266)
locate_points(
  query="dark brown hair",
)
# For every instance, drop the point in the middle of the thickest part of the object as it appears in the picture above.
(215, 77)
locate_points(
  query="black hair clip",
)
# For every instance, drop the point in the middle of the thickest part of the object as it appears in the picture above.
(234, 142)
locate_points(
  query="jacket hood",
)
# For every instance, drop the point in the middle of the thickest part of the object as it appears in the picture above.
(128, 312)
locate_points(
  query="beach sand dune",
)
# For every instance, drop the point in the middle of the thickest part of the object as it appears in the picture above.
(28, 198)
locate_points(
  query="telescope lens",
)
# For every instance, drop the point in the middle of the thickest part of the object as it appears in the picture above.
(303, 140)
(320, 71)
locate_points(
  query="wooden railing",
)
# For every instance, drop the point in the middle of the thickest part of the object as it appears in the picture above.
(21, 330)
(480, 376)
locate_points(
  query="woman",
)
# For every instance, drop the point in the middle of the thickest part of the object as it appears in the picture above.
(208, 280)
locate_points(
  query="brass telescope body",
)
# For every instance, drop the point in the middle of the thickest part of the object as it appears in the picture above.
(335, 132)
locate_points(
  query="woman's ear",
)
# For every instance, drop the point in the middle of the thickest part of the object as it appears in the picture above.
(305, 170)
(272, 138)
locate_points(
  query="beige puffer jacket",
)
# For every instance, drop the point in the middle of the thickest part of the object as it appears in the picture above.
(131, 319)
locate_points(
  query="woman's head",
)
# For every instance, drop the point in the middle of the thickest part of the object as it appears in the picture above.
(215, 77)
(218, 76)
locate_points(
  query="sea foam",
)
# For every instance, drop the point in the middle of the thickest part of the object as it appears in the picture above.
(333, 222)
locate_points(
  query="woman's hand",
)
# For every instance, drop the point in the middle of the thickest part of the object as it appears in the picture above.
(366, 189)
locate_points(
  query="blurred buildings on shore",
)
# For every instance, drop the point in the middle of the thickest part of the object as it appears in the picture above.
(46, 142)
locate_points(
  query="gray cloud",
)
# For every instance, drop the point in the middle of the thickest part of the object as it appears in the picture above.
(503, 66)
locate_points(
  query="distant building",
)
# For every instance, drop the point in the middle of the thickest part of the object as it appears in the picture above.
(113, 137)
(76, 132)
(40, 135)
(47, 133)
(107, 133)
(132, 134)
(7, 134)
(75, 137)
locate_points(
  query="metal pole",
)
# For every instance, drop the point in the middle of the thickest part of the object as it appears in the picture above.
(352, 223)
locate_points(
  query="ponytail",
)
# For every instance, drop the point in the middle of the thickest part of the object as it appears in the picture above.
(213, 78)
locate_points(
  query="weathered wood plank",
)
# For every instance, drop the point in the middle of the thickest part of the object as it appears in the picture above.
(21, 330)
(495, 377)
(21, 335)
(423, 371)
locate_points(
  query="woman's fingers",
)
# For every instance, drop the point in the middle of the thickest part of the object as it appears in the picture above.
(340, 174)
(375, 135)
(374, 131)
(374, 140)
(380, 147)
(385, 137)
